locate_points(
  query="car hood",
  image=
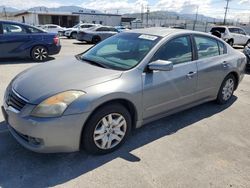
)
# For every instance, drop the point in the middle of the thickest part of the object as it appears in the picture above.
(42, 81)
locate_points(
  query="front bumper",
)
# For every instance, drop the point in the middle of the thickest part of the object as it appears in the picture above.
(46, 135)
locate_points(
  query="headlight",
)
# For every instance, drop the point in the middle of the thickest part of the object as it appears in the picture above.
(56, 105)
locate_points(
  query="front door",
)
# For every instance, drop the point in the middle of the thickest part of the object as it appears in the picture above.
(165, 90)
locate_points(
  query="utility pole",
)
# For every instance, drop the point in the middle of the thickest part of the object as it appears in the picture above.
(226, 9)
(5, 14)
(142, 11)
(196, 17)
(147, 14)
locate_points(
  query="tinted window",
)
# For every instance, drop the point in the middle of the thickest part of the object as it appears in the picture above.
(242, 32)
(102, 29)
(233, 30)
(220, 29)
(178, 50)
(34, 30)
(13, 29)
(222, 48)
(113, 29)
(206, 47)
(52, 26)
(86, 26)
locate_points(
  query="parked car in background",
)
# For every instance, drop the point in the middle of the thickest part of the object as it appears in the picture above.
(96, 34)
(52, 28)
(246, 51)
(72, 32)
(232, 35)
(121, 28)
(21, 40)
(122, 83)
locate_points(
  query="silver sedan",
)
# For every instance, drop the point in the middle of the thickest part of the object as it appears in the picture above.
(125, 81)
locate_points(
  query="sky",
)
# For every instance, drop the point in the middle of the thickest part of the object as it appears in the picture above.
(238, 9)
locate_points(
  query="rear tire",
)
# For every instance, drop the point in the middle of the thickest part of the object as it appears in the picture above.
(226, 90)
(107, 129)
(39, 54)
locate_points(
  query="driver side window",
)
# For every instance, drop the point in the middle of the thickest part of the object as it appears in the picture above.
(178, 50)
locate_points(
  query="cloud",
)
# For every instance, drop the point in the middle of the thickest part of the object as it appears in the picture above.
(19, 4)
(115, 5)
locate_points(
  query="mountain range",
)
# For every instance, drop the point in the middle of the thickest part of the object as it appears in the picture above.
(153, 15)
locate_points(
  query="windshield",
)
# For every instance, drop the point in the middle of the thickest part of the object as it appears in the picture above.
(121, 52)
(76, 26)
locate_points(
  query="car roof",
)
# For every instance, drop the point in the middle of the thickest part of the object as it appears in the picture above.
(226, 26)
(15, 22)
(163, 31)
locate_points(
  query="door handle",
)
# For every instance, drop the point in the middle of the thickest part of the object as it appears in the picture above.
(191, 74)
(225, 64)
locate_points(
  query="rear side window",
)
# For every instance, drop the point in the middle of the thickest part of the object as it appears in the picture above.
(177, 50)
(13, 29)
(34, 30)
(206, 47)
(102, 29)
(241, 31)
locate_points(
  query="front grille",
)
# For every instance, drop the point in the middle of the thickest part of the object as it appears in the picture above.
(14, 100)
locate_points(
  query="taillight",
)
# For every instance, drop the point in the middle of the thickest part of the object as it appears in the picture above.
(56, 40)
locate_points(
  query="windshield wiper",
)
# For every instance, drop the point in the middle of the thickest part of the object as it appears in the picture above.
(94, 62)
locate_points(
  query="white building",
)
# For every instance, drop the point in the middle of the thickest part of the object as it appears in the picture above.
(100, 18)
(67, 19)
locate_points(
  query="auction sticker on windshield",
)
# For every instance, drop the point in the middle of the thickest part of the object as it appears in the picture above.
(148, 37)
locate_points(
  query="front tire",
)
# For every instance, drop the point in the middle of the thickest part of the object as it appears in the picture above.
(96, 39)
(39, 53)
(107, 129)
(231, 42)
(226, 90)
(248, 42)
(73, 35)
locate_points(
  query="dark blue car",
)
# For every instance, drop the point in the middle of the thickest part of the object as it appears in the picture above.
(22, 40)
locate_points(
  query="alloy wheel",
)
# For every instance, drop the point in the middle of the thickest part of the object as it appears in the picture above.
(110, 131)
(228, 89)
(40, 54)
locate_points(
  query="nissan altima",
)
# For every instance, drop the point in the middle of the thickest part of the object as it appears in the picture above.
(122, 83)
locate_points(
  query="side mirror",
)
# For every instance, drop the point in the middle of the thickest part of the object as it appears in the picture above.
(161, 65)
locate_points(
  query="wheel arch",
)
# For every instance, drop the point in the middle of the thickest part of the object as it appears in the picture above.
(37, 46)
(124, 102)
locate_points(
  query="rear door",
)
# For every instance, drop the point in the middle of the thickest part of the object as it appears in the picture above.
(212, 60)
